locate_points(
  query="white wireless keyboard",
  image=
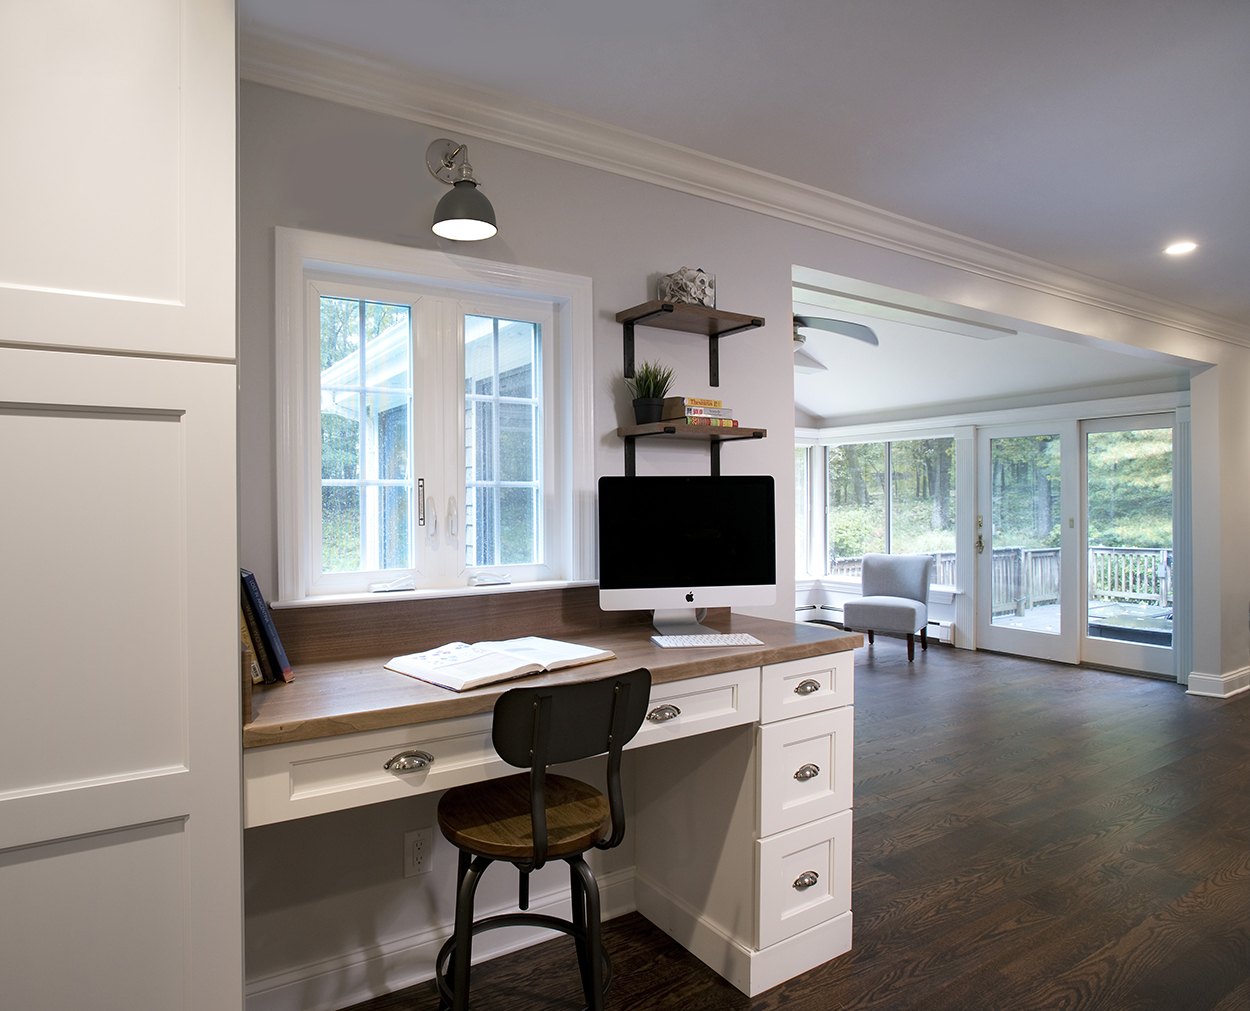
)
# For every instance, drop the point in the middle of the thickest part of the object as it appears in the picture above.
(710, 639)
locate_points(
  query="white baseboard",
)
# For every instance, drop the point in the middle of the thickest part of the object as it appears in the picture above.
(380, 969)
(1219, 686)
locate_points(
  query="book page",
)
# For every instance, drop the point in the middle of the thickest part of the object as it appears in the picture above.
(459, 665)
(550, 654)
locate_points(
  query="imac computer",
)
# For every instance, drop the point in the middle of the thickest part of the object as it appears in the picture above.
(676, 545)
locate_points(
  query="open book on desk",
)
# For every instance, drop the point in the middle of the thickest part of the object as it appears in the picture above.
(461, 665)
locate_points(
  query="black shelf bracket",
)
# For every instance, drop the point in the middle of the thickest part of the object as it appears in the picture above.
(628, 338)
(713, 349)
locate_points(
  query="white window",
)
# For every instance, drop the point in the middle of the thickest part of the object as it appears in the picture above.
(895, 496)
(431, 427)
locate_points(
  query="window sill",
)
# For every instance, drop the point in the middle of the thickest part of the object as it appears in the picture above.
(431, 593)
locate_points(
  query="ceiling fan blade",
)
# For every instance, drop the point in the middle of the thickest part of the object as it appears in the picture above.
(856, 330)
(803, 362)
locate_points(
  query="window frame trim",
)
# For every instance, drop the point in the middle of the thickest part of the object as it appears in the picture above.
(302, 256)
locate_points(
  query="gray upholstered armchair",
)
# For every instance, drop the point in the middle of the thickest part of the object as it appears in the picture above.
(895, 599)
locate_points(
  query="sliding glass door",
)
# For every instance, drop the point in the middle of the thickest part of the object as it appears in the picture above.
(1128, 601)
(1027, 540)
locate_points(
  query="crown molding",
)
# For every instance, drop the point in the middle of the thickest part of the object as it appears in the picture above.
(352, 78)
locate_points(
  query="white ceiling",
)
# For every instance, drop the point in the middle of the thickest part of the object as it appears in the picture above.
(1084, 133)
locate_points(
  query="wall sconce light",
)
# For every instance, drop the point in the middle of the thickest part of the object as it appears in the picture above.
(464, 214)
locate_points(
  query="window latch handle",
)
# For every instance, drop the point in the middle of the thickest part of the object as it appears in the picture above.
(453, 520)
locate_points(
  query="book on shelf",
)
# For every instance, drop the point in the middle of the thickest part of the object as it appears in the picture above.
(251, 662)
(252, 624)
(460, 666)
(264, 633)
(712, 422)
(675, 412)
(679, 404)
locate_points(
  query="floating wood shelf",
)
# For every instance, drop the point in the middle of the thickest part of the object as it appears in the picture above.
(714, 435)
(697, 319)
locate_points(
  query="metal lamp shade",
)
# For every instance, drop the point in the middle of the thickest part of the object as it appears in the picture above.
(464, 214)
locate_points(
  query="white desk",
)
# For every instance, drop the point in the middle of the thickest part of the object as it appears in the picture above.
(743, 781)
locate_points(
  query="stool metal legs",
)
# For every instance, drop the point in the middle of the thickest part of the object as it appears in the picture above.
(454, 962)
(589, 937)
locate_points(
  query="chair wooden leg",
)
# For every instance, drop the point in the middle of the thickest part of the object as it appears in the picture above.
(924, 637)
(593, 986)
(911, 647)
(871, 640)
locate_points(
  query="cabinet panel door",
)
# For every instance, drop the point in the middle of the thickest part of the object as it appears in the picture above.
(117, 185)
(120, 830)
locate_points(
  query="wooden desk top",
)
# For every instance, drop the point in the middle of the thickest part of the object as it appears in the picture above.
(329, 697)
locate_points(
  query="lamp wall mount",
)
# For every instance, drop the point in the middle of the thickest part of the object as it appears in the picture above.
(441, 159)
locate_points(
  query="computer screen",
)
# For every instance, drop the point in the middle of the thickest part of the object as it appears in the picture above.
(677, 544)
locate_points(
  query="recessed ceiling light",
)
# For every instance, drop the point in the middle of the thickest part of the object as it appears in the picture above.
(1180, 248)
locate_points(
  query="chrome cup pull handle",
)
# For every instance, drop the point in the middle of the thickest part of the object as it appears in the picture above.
(409, 761)
(806, 687)
(806, 772)
(806, 880)
(662, 714)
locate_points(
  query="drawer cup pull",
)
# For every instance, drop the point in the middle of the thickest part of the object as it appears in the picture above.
(806, 880)
(664, 713)
(806, 687)
(806, 772)
(409, 761)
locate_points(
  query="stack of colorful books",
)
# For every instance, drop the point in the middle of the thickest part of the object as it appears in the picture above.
(698, 411)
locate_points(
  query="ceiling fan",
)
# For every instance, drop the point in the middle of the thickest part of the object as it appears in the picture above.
(803, 362)
(856, 330)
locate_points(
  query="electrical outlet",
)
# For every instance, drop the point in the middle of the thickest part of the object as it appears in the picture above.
(418, 849)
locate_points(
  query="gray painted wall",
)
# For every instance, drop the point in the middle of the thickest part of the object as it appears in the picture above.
(333, 885)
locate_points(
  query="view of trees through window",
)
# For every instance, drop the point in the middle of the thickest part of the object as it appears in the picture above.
(366, 389)
(895, 497)
(1024, 478)
(1130, 488)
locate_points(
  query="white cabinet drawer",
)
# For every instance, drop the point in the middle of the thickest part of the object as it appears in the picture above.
(805, 769)
(804, 877)
(285, 781)
(699, 705)
(799, 687)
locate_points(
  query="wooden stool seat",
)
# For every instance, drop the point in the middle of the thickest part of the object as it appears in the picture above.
(492, 819)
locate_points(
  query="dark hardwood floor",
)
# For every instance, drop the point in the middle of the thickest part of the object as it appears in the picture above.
(1027, 835)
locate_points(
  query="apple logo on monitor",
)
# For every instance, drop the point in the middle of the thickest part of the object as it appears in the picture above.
(690, 598)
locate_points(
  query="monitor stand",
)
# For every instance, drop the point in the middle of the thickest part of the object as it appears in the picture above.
(681, 621)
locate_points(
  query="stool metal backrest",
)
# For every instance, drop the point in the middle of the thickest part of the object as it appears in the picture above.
(541, 726)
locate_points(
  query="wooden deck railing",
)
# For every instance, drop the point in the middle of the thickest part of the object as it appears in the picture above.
(1027, 577)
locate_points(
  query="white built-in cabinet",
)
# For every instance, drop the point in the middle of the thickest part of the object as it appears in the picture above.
(120, 826)
(743, 837)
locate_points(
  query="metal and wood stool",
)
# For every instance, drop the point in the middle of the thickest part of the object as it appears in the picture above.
(529, 818)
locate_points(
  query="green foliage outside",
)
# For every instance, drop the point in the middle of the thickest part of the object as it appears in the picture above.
(1024, 484)
(922, 497)
(1130, 488)
(344, 324)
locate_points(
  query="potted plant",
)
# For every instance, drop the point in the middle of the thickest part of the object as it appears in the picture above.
(648, 388)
